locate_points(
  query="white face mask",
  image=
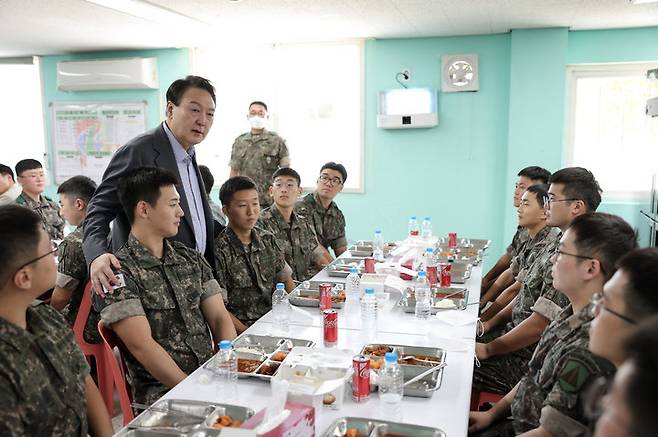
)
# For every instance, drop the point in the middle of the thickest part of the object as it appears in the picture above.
(257, 122)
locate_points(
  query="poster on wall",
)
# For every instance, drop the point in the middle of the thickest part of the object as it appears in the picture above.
(86, 135)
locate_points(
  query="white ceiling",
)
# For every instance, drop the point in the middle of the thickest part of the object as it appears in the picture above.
(39, 27)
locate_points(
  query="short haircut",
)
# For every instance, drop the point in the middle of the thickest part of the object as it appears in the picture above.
(19, 238)
(541, 193)
(287, 171)
(143, 183)
(232, 186)
(178, 87)
(208, 178)
(340, 168)
(78, 187)
(258, 102)
(27, 164)
(641, 269)
(642, 350)
(536, 174)
(6, 170)
(579, 183)
(606, 237)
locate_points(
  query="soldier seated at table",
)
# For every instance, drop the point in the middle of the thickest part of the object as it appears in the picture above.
(249, 260)
(548, 400)
(168, 297)
(45, 387)
(74, 195)
(295, 235)
(33, 180)
(319, 207)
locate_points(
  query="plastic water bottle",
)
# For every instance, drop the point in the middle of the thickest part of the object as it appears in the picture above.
(226, 371)
(280, 309)
(422, 293)
(369, 314)
(414, 231)
(431, 267)
(378, 246)
(426, 228)
(391, 390)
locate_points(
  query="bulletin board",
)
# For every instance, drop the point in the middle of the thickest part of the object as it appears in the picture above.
(85, 135)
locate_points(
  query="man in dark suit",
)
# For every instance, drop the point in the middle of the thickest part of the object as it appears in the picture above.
(190, 111)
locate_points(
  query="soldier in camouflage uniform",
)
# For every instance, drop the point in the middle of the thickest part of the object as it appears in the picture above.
(549, 396)
(259, 152)
(170, 296)
(319, 207)
(249, 260)
(45, 387)
(33, 180)
(72, 277)
(294, 235)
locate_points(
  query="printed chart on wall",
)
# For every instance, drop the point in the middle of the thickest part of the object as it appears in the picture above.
(85, 135)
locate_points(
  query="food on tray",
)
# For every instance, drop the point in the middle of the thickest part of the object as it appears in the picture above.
(377, 350)
(248, 350)
(339, 297)
(247, 366)
(415, 362)
(279, 356)
(353, 432)
(269, 369)
(328, 399)
(444, 304)
(376, 364)
(452, 294)
(226, 422)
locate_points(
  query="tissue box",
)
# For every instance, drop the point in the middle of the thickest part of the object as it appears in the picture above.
(300, 422)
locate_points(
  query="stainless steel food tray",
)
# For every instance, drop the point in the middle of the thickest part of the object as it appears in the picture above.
(458, 296)
(340, 267)
(295, 297)
(378, 428)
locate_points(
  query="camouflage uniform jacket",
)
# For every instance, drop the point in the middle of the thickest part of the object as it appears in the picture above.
(549, 395)
(259, 156)
(529, 250)
(72, 275)
(329, 223)
(518, 240)
(168, 292)
(42, 377)
(249, 273)
(48, 210)
(297, 239)
(537, 293)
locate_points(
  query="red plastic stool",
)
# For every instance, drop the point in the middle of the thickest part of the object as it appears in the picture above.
(118, 370)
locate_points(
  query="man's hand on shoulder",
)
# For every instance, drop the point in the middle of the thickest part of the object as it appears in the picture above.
(101, 273)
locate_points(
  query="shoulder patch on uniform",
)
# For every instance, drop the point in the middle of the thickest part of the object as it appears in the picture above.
(574, 375)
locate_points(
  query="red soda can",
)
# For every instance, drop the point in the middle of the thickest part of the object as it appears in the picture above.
(330, 327)
(452, 239)
(361, 378)
(369, 263)
(325, 296)
(445, 274)
(432, 275)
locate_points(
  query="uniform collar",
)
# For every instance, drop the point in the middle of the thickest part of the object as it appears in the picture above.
(276, 215)
(146, 259)
(256, 243)
(28, 199)
(572, 322)
(17, 336)
(319, 207)
(250, 136)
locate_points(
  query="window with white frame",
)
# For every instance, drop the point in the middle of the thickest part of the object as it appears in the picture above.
(21, 115)
(609, 132)
(314, 94)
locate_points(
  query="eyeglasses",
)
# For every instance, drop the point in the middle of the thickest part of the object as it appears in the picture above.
(332, 181)
(553, 200)
(598, 303)
(561, 252)
(53, 247)
(289, 185)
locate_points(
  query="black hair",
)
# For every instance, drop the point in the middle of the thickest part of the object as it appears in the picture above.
(603, 236)
(208, 178)
(25, 165)
(536, 173)
(541, 193)
(641, 269)
(340, 168)
(258, 102)
(6, 170)
(579, 183)
(78, 187)
(178, 87)
(642, 349)
(143, 183)
(287, 171)
(232, 186)
(19, 238)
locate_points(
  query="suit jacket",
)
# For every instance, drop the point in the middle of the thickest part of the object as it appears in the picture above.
(149, 149)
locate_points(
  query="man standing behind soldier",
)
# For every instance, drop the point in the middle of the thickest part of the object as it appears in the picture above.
(259, 152)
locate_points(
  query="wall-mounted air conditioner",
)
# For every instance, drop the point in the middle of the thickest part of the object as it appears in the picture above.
(107, 74)
(652, 104)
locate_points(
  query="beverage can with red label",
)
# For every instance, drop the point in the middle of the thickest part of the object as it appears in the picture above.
(445, 274)
(361, 378)
(330, 327)
(432, 275)
(325, 296)
(369, 264)
(452, 239)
